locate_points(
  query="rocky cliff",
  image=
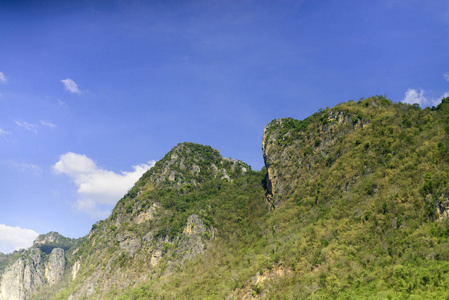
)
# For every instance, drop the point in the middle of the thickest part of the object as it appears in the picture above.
(41, 265)
(30, 272)
(292, 148)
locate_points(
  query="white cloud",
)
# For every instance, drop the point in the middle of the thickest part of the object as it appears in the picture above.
(4, 132)
(15, 238)
(412, 96)
(3, 78)
(438, 101)
(48, 124)
(98, 189)
(27, 126)
(435, 102)
(446, 76)
(71, 86)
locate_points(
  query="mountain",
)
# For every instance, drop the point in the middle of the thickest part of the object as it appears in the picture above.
(41, 265)
(352, 203)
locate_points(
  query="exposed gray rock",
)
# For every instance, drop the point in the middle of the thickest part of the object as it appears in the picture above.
(147, 214)
(129, 242)
(23, 278)
(233, 161)
(194, 226)
(193, 243)
(182, 165)
(55, 266)
(195, 169)
(282, 169)
(171, 177)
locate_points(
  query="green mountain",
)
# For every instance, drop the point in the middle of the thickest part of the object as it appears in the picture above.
(352, 204)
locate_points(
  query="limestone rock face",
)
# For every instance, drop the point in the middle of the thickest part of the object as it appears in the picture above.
(50, 237)
(148, 214)
(194, 243)
(274, 161)
(55, 266)
(129, 242)
(288, 153)
(23, 278)
(76, 267)
(194, 226)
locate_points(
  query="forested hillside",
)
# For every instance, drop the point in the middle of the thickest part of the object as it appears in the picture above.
(352, 203)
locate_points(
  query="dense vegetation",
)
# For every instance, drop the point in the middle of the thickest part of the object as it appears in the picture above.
(365, 218)
(358, 205)
(366, 215)
(235, 210)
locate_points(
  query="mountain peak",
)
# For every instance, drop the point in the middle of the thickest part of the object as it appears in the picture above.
(47, 242)
(190, 164)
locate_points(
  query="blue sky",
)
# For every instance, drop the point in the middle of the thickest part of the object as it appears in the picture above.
(93, 92)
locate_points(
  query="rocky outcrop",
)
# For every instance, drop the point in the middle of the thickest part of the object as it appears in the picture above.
(195, 230)
(288, 153)
(189, 164)
(24, 277)
(259, 281)
(47, 242)
(55, 266)
(129, 242)
(148, 214)
(76, 267)
(276, 159)
(51, 237)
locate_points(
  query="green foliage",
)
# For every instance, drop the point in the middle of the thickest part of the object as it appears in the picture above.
(364, 217)
(56, 240)
(361, 189)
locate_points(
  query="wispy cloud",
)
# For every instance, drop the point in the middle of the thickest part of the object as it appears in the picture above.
(3, 78)
(48, 124)
(33, 127)
(4, 132)
(24, 167)
(412, 96)
(71, 86)
(446, 76)
(98, 189)
(445, 95)
(27, 126)
(15, 238)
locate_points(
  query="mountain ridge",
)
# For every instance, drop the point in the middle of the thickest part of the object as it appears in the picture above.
(353, 202)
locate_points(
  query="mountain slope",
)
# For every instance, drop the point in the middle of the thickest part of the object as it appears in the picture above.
(353, 203)
(365, 188)
(176, 211)
(42, 265)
